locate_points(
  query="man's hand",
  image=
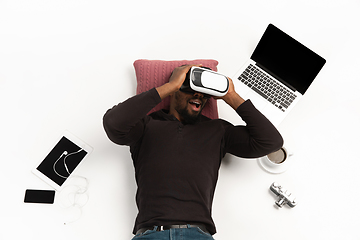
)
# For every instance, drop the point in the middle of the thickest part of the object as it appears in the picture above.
(176, 80)
(232, 98)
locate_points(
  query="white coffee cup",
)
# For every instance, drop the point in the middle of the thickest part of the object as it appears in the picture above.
(276, 162)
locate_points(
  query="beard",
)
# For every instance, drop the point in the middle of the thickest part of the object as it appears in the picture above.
(187, 117)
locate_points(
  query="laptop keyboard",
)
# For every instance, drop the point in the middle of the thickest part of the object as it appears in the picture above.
(267, 87)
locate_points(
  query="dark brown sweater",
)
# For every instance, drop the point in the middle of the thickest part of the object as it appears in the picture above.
(176, 165)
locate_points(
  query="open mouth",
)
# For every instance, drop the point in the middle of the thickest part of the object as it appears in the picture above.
(195, 104)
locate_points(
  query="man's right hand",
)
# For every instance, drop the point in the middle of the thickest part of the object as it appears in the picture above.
(176, 80)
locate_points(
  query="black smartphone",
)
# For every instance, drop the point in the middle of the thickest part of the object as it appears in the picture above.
(39, 196)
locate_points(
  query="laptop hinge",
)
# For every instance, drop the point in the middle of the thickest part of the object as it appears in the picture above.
(276, 77)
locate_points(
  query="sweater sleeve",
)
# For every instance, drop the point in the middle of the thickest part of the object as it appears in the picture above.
(124, 123)
(258, 138)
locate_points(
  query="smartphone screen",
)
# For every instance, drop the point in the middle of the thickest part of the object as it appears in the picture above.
(39, 196)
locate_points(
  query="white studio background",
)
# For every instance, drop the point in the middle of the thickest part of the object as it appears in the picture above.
(63, 63)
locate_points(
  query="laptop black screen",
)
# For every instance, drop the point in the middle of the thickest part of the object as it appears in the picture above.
(286, 59)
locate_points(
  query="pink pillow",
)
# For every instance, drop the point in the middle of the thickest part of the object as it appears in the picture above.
(154, 73)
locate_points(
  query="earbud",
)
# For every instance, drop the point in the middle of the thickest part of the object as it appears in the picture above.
(64, 161)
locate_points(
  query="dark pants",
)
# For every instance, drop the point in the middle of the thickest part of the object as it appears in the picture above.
(175, 234)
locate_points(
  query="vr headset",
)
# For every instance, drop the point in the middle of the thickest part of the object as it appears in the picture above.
(203, 80)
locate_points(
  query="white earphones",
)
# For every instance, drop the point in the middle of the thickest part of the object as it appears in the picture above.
(75, 196)
(66, 155)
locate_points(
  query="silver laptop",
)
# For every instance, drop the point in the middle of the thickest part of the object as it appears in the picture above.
(278, 74)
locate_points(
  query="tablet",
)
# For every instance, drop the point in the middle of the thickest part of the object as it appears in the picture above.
(68, 152)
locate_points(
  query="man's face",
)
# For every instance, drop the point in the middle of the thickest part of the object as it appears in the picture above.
(189, 106)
